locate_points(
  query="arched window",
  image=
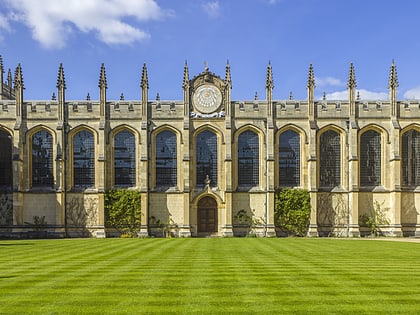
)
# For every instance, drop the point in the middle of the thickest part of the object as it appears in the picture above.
(42, 159)
(166, 159)
(206, 157)
(124, 159)
(289, 159)
(248, 159)
(83, 159)
(411, 158)
(6, 174)
(370, 158)
(330, 159)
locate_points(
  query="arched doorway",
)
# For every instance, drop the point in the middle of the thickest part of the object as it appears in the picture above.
(207, 216)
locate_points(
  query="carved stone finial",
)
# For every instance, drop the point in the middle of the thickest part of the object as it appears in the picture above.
(144, 79)
(358, 96)
(256, 96)
(206, 66)
(61, 82)
(122, 97)
(102, 78)
(228, 78)
(88, 97)
(1, 66)
(269, 83)
(53, 97)
(324, 96)
(393, 77)
(311, 77)
(186, 80)
(9, 78)
(18, 77)
(291, 95)
(351, 83)
(157, 97)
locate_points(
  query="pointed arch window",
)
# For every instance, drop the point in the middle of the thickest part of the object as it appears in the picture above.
(330, 159)
(289, 159)
(42, 159)
(6, 173)
(370, 158)
(248, 159)
(411, 158)
(166, 159)
(124, 159)
(83, 159)
(206, 158)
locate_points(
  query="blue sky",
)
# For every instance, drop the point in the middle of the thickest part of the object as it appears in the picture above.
(290, 34)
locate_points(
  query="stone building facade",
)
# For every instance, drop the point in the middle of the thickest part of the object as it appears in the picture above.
(201, 161)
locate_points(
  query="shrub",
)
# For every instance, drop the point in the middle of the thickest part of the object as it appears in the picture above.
(292, 211)
(123, 210)
(375, 219)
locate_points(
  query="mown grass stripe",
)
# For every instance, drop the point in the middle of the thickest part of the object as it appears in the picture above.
(213, 276)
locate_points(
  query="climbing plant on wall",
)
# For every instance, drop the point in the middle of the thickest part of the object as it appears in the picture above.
(123, 210)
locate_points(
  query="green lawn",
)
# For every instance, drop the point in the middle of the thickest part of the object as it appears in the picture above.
(213, 276)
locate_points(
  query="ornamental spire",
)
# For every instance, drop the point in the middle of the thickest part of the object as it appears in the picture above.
(393, 77)
(186, 80)
(311, 77)
(102, 78)
(269, 83)
(227, 73)
(61, 82)
(18, 77)
(9, 78)
(351, 83)
(1, 67)
(144, 80)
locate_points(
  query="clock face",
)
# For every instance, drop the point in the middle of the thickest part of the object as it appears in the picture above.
(207, 98)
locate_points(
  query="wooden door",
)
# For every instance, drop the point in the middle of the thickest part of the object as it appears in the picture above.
(207, 215)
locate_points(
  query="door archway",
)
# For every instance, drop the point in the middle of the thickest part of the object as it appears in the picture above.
(207, 215)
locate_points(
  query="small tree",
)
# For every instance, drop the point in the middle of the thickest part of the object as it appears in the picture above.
(292, 211)
(376, 219)
(123, 210)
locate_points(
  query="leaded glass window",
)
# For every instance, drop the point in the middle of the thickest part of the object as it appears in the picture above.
(166, 159)
(370, 158)
(6, 175)
(411, 158)
(124, 159)
(248, 159)
(42, 159)
(289, 159)
(330, 159)
(206, 157)
(83, 159)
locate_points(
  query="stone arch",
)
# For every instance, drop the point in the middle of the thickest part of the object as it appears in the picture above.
(369, 173)
(340, 163)
(176, 182)
(92, 169)
(6, 157)
(209, 165)
(295, 179)
(124, 168)
(256, 170)
(41, 167)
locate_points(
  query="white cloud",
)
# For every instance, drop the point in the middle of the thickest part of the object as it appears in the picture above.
(328, 81)
(212, 8)
(412, 93)
(4, 23)
(364, 95)
(53, 21)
